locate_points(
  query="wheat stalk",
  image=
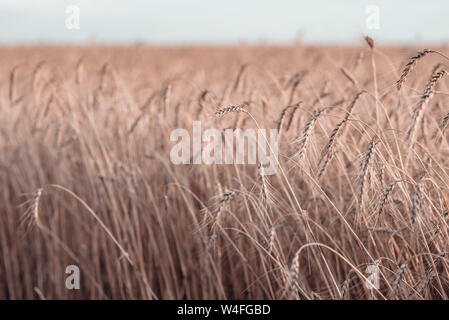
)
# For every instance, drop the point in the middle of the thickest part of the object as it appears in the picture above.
(358, 60)
(409, 66)
(281, 118)
(425, 97)
(339, 127)
(240, 76)
(201, 100)
(398, 275)
(370, 42)
(330, 153)
(292, 114)
(265, 193)
(103, 74)
(348, 76)
(231, 109)
(294, 277)
(365, 165)
(307, 132)
(293, 90)
(416, 198)
(227, 196)
(385, 194)
(12, 77)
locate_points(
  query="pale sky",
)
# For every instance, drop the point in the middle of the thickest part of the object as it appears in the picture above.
(223, 21)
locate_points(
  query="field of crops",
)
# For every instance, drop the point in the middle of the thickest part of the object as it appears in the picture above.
(357, 208)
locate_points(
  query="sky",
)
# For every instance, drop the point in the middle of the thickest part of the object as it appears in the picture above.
(174, 22)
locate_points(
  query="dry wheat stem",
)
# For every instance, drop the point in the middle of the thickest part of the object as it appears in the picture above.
(370, 42)
(348, 76)
(223, 111)
(444, 122)
(398, 276)
(281, 118)
(292, 114)
(227, 196)
(307, 132)
(409, 66)
(385, 194)
(412, 62)
(339, 127)
(365, 165)
(425, 97)
(294, 277)
(240, 76)
(330, 153)
(416, 198)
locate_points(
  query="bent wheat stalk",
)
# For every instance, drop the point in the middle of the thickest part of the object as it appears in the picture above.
(425, 97)
(412, 62)
(97, 218)
(327, 151)
(410, 65)
(307, 131)
(385, 194)
(416, 198)
(364, 170)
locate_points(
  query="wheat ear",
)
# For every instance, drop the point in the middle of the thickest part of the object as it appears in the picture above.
(409, 66)
(307, 131)
(339, 126)
(416, 198)
(385, 194)
(365, 165)
(425, 97)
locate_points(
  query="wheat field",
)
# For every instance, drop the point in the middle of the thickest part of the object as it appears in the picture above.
(362, 185)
